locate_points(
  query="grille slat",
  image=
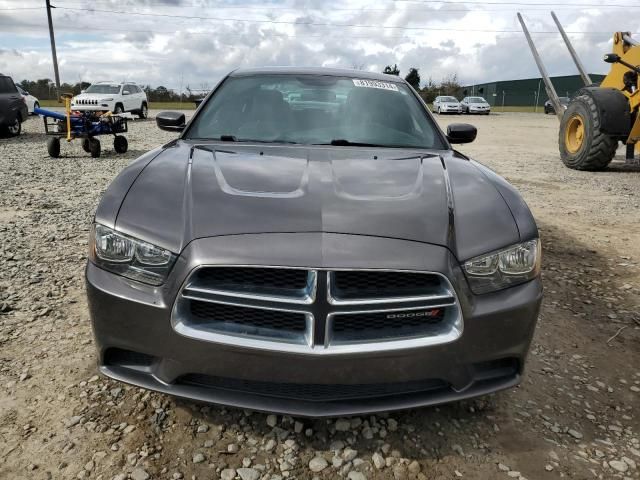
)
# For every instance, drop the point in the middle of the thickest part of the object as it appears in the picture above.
(362, 285)
(377, 326)
(257, 281)
(246, 321)
(313, 392)
(386, 321)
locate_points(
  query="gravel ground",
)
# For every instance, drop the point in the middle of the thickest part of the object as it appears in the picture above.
(574, 416)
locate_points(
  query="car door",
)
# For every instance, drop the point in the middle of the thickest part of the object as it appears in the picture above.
(436, 104)
(129, 99)
(140, 97)
(465, 104)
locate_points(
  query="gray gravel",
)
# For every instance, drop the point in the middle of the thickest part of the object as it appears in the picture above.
(574, 416)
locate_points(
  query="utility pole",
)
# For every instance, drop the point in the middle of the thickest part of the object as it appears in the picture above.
(53, 47)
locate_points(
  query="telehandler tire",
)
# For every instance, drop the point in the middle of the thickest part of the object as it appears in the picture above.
(582, 145)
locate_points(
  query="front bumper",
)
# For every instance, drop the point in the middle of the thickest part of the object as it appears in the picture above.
(138, 344)
(445, 109)
(479, 110)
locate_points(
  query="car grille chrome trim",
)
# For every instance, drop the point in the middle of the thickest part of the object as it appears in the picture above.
(320, 312)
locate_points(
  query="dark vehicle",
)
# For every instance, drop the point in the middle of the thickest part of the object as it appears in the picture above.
(548, 106)
(13, 108)
(313, 261)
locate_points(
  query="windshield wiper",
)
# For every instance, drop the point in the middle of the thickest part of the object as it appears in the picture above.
(341, 142)
(233, 138)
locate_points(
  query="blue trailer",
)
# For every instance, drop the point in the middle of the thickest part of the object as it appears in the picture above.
(82, 125)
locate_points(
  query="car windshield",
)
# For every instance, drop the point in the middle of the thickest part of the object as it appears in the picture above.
(103, 88)
(477, 100)
(449, 99)
(317, 110)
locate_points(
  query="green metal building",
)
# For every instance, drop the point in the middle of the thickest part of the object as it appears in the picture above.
(526, 92)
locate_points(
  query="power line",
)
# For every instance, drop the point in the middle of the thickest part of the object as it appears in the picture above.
(568, 6)
(584, 5)
(21, 8)
(312, 23)
(277, 35)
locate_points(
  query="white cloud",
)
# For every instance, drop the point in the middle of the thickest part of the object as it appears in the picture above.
(167, 50)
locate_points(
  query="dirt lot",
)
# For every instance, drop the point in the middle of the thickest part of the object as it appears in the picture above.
(576, 415)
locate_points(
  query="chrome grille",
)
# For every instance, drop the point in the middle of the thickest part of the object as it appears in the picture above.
(317, 311)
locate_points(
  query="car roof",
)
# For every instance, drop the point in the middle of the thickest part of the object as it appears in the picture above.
(111, 83)
(335, 72)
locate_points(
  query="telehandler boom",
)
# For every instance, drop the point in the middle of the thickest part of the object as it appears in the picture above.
(598, 116)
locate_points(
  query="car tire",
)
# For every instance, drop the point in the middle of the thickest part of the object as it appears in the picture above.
(94, 147)
(144, 111)
(35, 105)
(15, 128)
(582, 145)
(120, 144)
(118, 109)
(53, 147)
(85, 145)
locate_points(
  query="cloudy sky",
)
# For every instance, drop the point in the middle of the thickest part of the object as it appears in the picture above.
(195, 42)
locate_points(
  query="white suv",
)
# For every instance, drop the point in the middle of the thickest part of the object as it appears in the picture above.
(115, 97)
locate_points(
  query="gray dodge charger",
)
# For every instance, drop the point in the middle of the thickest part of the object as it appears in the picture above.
(311, 244)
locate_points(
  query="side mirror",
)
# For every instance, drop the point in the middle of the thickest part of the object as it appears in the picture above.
(170, 121)
(126, 92)
(461, 133)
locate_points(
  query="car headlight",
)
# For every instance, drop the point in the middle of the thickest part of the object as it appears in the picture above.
(504, 268)
(129, 257)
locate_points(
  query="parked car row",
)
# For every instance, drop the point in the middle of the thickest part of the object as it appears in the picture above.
(449, 104)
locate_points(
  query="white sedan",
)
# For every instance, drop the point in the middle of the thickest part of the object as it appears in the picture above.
(475, 105)
(446, 105)
(30, 100)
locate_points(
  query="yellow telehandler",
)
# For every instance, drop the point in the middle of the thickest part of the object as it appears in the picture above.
(598, 116)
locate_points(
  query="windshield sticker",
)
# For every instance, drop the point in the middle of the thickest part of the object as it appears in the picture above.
(375, 84)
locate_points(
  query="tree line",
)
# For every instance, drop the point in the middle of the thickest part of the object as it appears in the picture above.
(449, 85)
(45, 88)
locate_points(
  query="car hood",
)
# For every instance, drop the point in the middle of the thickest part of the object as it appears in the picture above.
(93, 96)
(194, 191)
(450, 104)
